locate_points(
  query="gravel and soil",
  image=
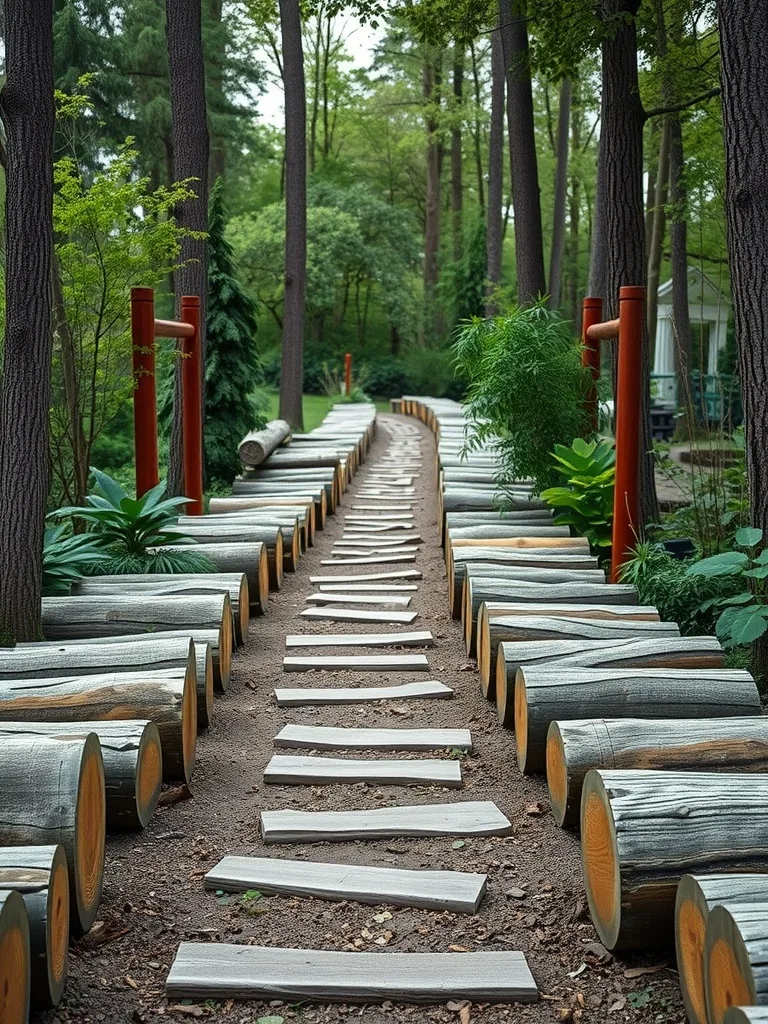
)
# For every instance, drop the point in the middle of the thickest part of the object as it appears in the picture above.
(154, 896)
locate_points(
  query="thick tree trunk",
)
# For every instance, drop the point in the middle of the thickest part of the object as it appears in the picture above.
(658, 228)
(69, 371)
(190, 161)
(681, 321)
(457, 193)
(561, 195)
(621, 172)
(292, 369)
(494, 226)
(215, 63)
(598, 254)
(478, 133)
(431, 85)
(526, 202)
(26, 105)
(574, 296)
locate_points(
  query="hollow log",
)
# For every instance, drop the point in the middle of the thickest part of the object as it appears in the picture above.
(661, 652)
(697, 896)
(642, 830)
(735, 953)
(139, 651)
(497, 622)
(259, 444)
(264, 571)
(478, 590)
(168, 698)
(39, 875)
(53, 792)
(548, 693)
(133, 763)
(234, 584)
(15, 959)
(734, 744)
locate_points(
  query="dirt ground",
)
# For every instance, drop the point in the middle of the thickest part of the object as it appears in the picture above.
(154, 896)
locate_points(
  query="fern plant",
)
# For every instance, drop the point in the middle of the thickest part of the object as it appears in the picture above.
(587, 499)
(526, 388)
(132, 531)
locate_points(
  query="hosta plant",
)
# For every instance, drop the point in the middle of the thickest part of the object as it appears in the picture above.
(67, 557)
(586, 501)
(743, 616)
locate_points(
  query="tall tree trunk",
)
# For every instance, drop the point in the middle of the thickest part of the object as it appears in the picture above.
(26, 106)
(315, 95)
(70, 377)
(292, 369)
(678, 195)
(431, 79)
(650, 199)
(561, 194)
(526, 202)
(457, 188)
(574, 208)
(495, 227)
(598, 250)
(216, 60)
(189, 116)
(478, 132)
(658, 229)
(621, 168)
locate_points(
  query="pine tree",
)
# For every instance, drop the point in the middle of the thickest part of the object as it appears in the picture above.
(233, 373)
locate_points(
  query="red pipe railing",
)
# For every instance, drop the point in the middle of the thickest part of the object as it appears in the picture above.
(348, 373)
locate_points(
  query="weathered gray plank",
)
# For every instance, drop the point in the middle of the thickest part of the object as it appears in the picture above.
(361, 538)
(358, 615)
(421, 638)
(338, 597)
(375, 560)
(343, 549)
(456, 891)
(305, 770)
(213, 970)
(468, 818)
(401, 506)
(395, 574)
(368, 588)
(321, 737)
(292, 698)
(357, 662)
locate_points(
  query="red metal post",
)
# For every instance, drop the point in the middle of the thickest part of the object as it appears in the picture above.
(592, 313)
(144, 398)
(192, 406)
(626, 500)
(348, 373)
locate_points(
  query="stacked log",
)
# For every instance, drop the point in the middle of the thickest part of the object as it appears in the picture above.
(746, 1015)
(497, 623)
(39, 875)
(641, 831)
(259, 444)
(228, 532)
(168, 698)
(269, 494)
(332, 480)
(735, 949)
(479, 590)
(697, 896)
(269, 510)
(545, 694)
(133, 763)
(15, 959)
(53, 793)
(733, 744)
(662, 652)
(264, 571)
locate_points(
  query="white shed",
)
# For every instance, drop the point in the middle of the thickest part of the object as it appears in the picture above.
(708, 310)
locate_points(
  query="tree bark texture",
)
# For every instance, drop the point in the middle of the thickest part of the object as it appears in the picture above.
(681, 320)
(561, 194)
(526, 201)
(478, 133)
(26, 105)
(658, 228)
(292, 369)
(494, 225)
(457, 187)
(431, 85)
(621, 159)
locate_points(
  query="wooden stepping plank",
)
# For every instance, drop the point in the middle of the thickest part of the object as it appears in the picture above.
(333, 614)
(396, 574)
(359, 662)
(467, 818)
(342, 551)
(305, 770)
(369, 560)
(365, 540)
(432, 689)
(382, 509)
(456, 891)
(422, 638)
(213, 970)
(375, 529)
(338, 597)
(367, 588)
(322, 737)
(386, 517)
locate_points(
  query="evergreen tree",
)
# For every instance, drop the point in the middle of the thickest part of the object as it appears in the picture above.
(233, 373)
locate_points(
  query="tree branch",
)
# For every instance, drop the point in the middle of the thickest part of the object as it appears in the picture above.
(674, 107)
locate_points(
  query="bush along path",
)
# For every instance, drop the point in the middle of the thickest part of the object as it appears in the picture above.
(224, 887)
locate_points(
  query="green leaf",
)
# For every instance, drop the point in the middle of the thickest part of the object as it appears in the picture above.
(731, 563)
(746, 625)
(110, 488)
(748, 536)
(458, 844)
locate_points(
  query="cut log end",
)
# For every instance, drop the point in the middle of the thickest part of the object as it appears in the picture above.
(729, 972)
(90, 838)
(57, 930)
(189, 712)
(600, 860)
(260, 600)
(149, 774)
(505, 707)
(690, 930)
(484, 651)
(520, 715)
(557, 775)
(15, 960)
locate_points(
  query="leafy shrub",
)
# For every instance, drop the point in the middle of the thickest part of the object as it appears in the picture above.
(429, 371)
(387, 377)
(589, 468)
(128, 529)
(680, 596)
(526, 388)
(334, 385)
(66, 558)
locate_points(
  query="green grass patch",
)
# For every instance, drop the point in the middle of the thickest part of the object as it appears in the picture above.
(315, 408)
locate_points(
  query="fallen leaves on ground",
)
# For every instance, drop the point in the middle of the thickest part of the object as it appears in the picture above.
(641, 972)
(174, 794)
